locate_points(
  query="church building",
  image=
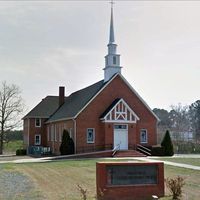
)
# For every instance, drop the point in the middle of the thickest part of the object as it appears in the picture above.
(102, 116)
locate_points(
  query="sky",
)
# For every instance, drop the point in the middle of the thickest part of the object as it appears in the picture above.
(47, 44)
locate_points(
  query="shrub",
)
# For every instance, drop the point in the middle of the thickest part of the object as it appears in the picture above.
(67, 145)
(20, 152)
(167, 144)
(157, 151)
(83, 192)
(175, 186)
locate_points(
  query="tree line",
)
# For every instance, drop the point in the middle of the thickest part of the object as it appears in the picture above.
(181, 120)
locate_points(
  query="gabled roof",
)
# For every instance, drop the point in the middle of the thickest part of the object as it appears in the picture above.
(116, 101)
(131, 88)
(45, 108)
(75, 102)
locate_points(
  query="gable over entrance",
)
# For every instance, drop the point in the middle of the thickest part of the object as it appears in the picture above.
(119, 111)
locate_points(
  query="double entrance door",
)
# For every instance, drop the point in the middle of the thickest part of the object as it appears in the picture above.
(121, 136)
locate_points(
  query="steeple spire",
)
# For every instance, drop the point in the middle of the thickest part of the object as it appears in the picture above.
(112, 59)
(112, 37)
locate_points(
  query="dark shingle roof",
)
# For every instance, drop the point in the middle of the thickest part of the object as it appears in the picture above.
(109, 108)
(45, 108)
(76, 101)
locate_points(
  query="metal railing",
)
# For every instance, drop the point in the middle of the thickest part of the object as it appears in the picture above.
(39, 150)
(143, 150)
(115, 149)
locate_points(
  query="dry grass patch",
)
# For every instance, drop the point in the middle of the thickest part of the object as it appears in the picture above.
(58, 180)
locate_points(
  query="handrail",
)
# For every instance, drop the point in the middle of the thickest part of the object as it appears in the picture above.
(116, 148)
(143, 147)
(144, 150)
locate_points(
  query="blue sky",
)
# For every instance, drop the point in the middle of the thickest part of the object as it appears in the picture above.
(45, 44)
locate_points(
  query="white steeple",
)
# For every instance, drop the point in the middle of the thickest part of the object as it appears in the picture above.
(112, 59)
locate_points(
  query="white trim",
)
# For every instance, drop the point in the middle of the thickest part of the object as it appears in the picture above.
(95, 95)
(126, 108)
(133, 90)
(90, 142)
(145, 142)
(142, 100)
(39, 143)
(39, 122)
(106, 84)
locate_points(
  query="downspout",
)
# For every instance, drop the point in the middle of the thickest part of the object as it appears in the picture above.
(74, 120)
(28, 131)
(27, 148)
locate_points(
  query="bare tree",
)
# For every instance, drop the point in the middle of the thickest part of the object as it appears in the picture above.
(11, 108)
(180, 121)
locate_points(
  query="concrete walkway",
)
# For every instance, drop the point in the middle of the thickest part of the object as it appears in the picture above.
(145, 159)
(149, 159)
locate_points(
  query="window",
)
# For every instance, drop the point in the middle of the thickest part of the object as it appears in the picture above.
(143, 136)
(71, 133)
(37, 139)
(55, 133)
(120, 126)
(37, 122)
(114, 60)
(90, 135)
(52, 133)
(48, 133)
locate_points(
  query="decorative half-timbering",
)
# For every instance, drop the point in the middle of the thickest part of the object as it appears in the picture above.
(119, 111)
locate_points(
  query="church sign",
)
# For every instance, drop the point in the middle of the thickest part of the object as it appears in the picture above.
(129, 180)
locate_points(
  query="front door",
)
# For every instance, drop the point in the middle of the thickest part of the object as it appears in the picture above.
(121, 136)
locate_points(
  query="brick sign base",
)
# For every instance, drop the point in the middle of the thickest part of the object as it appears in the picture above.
(129, 180)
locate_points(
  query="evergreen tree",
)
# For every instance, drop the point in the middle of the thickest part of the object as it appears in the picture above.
(167, 144)
(67, 145)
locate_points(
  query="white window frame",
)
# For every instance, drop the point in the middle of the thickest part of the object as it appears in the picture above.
(93, 131)
(38, 143)
(36, 122)
(141, 139)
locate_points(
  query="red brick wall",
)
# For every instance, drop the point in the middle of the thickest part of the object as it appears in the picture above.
(60, 126)
(128, 192)
(89, 118)
(29, 127)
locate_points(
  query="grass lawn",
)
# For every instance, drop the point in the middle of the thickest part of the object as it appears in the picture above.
(12, 146)
(189, 161)
(59, 180)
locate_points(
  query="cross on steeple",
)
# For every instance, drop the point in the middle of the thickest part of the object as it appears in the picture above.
(112, 59)
(112, 37)
(112, 3)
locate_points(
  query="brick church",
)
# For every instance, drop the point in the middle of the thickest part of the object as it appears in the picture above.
(104, 115)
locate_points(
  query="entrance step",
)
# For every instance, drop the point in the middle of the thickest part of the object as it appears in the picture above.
(129, 153)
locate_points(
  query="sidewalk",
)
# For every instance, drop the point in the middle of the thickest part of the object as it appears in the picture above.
(149, 159)
(146, 159)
